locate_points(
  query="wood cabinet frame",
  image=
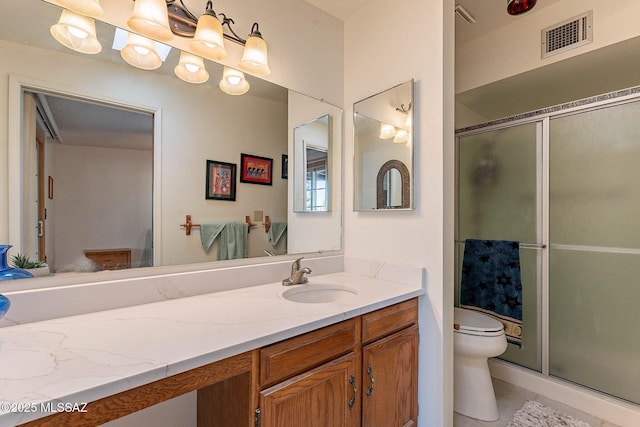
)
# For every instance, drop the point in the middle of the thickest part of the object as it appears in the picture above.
(231, 390)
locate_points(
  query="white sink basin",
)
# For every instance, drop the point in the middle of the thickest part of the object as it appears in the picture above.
(318, 293)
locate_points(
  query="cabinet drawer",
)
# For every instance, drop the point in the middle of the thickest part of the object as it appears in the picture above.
(293, 356)
(110, 259)
(388, 320)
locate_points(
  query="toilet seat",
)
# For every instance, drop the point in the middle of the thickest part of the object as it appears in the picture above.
(470, 322)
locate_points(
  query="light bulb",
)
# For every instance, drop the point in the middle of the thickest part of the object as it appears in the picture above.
(191, 68)
(233, 82)
(77, 32)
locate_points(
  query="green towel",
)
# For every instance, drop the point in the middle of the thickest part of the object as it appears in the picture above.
(276, 231)
(233, 241)
(208, 234)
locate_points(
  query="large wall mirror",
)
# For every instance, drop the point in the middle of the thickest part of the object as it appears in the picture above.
(383, 150)
(126, 154)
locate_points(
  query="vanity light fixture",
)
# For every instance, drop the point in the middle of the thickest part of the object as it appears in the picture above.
(77, 32)
(150, 19)
(517, 7)
(255, 58)
(184, 23)
(141, 52)
(387, 131)
(90, 8)
(402, 135)
(191, 68)
(208, 39)
(233, 82)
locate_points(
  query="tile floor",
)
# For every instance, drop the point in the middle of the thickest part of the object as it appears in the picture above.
(511, 398)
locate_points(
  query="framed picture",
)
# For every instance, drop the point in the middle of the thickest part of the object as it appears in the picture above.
(221, 181)
(255, 169)
(285, 166)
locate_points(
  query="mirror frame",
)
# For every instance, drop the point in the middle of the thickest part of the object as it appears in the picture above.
(405, 177)
(407, 180)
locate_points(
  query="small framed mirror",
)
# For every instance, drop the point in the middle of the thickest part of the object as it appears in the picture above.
(311, 185)
(383, 150)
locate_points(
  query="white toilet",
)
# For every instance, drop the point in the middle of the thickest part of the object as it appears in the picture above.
(476, 338)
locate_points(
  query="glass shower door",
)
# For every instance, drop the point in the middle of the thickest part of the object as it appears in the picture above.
(594, 235)
(499, 198)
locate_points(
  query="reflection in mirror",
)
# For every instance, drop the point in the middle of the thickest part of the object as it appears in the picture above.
(393, 186)
(383, 136)
(311, 165)
(392, 189)
(88, 216)
(187, 125)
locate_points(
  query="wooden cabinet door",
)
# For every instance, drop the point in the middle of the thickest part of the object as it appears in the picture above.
(390, 380)
(326, 396)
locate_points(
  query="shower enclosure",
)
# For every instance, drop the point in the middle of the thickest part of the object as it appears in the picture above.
(565, 183)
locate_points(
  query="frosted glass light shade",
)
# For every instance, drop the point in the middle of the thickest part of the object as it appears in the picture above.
(150, 18)
(255, 58)
(208, 39)
(387, 131)
(233, 82)
(90, 8)
(141, 52)
(76, 32)
(408, 123)
(402, 135)
(191, 68)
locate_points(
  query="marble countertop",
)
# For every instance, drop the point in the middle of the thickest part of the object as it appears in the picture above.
(87, 357)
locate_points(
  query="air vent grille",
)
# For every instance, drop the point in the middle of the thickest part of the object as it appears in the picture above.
(567, 35)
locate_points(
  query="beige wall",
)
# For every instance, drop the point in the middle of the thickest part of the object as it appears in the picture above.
(106, 195)
(317, 229)
(515, 48)
(386, 43)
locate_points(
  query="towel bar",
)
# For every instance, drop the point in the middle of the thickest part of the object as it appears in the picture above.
(188, 225)
(522, 245)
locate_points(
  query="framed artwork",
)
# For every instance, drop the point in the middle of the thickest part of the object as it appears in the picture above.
(285, 166)
(255, 169)
(221, 181)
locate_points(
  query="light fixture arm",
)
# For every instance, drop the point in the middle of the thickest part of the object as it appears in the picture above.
(235, 37)
(189, 19)
(403, 109)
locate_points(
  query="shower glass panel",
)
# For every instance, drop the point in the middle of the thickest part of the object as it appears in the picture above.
(594, 264)
(499, 187)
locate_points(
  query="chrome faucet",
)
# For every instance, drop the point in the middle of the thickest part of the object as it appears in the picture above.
(297, 274)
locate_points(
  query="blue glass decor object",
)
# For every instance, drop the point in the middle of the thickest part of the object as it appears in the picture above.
(10, 273)
(4, 305)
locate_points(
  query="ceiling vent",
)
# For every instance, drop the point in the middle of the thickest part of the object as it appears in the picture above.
(567, 35)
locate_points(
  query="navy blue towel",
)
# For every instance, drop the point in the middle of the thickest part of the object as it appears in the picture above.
(491, 283)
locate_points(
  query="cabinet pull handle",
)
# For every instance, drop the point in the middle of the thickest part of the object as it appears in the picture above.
(352, 381)
(370, 372)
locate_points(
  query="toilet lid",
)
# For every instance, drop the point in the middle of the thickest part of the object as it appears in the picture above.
(470, 320)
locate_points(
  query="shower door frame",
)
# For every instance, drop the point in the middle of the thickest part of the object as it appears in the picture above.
(543, 118)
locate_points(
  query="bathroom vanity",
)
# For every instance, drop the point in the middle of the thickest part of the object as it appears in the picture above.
(251, 354)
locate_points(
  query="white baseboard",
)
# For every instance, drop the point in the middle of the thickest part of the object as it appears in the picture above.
(608, 408)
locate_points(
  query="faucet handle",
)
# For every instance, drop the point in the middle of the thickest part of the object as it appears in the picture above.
(296, 264)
